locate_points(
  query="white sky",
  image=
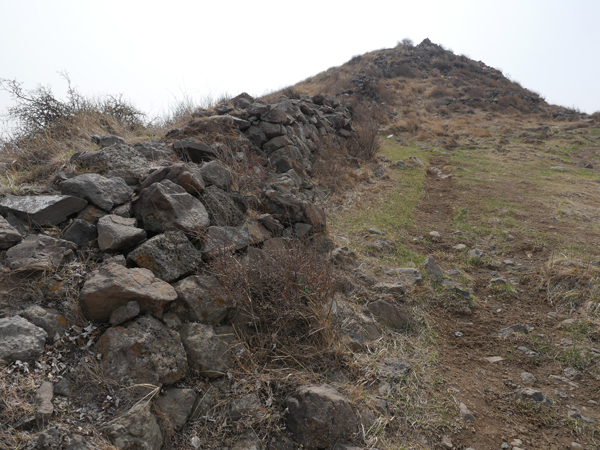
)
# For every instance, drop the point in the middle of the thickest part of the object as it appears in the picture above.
(155, 52)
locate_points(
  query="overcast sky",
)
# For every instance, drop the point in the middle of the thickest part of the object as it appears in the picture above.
(156, 52)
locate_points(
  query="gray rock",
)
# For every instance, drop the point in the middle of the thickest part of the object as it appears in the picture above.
(216, 174)
(574, 414)
(345, 258)
(113, 286)
(208, 353)
(257, 232)
(106, 193)
(166, 206)
(221, 208)
(319, 416)
(389, 314)
(125, 210)
(534, 395)
(225, 239)
(204, 298)
(91, 214)
(375, 231)
(153, 150)
(40, 253)
(252, 442)
(169, 256)
(50, 320)
(80, 232)
(117, 159)
(136, 430)
(276, 143)
(118, 233)
(242, 406)
(20, 340)
(456, 288)
(181, 174)
(433, 270)
(9, 235)
(395, 289)
(107, 140)
(42, 209)
(394, 369)
(289, 209)
(124, 313)
(572, 374)
(44, 407)
(63, 388)
(446, 442)
(194, 151)
(145, 351)
(465, 414)
(411, 276)
(475, 254)
(530, 353)
(176, 404)
(516, 328)
(528, 378)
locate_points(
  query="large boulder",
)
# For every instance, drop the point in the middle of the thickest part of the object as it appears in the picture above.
(9, 235)
(40, 253)
(80, 232)
(289, 209)
(225, 239)
(106, 193)
(194, 151)
(153, 150)
(221, 208)
(137, 429)
(176, 405)
(118, 233)
(169, 256)
(204, 298)
(145, 351)
(48, 319)
(166, 206)
(216, 174)
(208, 353)
(390, 314)
(181, 174)
(318, 416)
(42, 209)
(113, 286)
(117, 159)
(20, 340)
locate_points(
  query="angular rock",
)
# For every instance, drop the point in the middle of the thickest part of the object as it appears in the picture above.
(118, 159)
(433, 270)
(528, 378)
(516, 328)
(106, 193)
(9, 235)
(63, 388)
(344, 257)
(475, 254)
(121, 315)
(136, 430)
(572, 374)
(257, 232)
(183, 175)
(44, 407)
(20, 340)
(396, 289)
(169, 256)
(40, 253)
(107, 140)
(456, 288)
(394, 369)
(465, 414)
(289, 209)
(166, 206)
(252, 442)
(205, 299)
(80, 232)
(113, 286)
(221, 208)
(216, 174)
(208, 353)
(145, 351)
(318, 416)
(176, 404)
(276, 143)
(153, 150)
(225, 239)
(118, 233)
(194, 151)
(42, 209)
(534, 395)
(91, 214)
(50, 320)
(412, 276)
(389, 314)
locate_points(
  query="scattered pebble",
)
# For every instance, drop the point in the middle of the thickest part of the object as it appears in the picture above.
(458, 334)
(528, 378)
(446, 442)
(459, 247)
(434, 234)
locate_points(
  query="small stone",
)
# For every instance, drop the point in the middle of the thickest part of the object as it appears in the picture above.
(435, 234)
(508, 262)
(44, 408)
(433, 270)
(572, 374)
(458, 334)
(465, 414)
(534, 395)
(446, 442)
(63, 388)
(124, 313)
(375, 231)
(459, 247)
(505, 446)
(176, 404)
(243, 405)
(528, 378)
(475, 254)
(576, 445)
(516, 443)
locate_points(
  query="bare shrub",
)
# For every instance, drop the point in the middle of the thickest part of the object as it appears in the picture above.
(331, 169)
(406, 42)
(355, 60)
(283, 301)
(385, 92)
(366, 120)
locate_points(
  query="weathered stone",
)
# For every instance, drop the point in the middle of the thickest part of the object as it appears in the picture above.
(257, 233)
(389, 314)
(44, 407)
(194, 151)
(572, 374)
(433, 270)
(124, 313)
(169, 255)
(106, 193)
(183, 175)
(136, 430)
(318, 416)
(50, 320)
(344, 257)
(42, 209)
(145, 351)
(396, 289)
(153, 150)
(80, 232)
(528, 378)
(107, 140)
(204, 297)
(118, 233)
(534, 395)
(456, 288)
(118, 159)
(125, 210)
(475, 254)
(216, 174)
(289, 209)
(113, 286)
(276, 143)
(208, 353)
(394, 369)
(20, 340)
(176, 405)
(272, 130)
(256, 135)
(91, 214)
(9, 235)
(516, 328)
(465, 414)
(275, 115)
(412, 276)
(221, 208)
(40, 253)
(252, 442)
(166, 206)
(63, 388)
(225, 239)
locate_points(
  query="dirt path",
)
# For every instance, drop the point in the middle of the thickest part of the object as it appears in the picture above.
(491, 390)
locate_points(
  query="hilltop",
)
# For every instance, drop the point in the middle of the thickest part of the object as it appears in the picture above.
(400, 252)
